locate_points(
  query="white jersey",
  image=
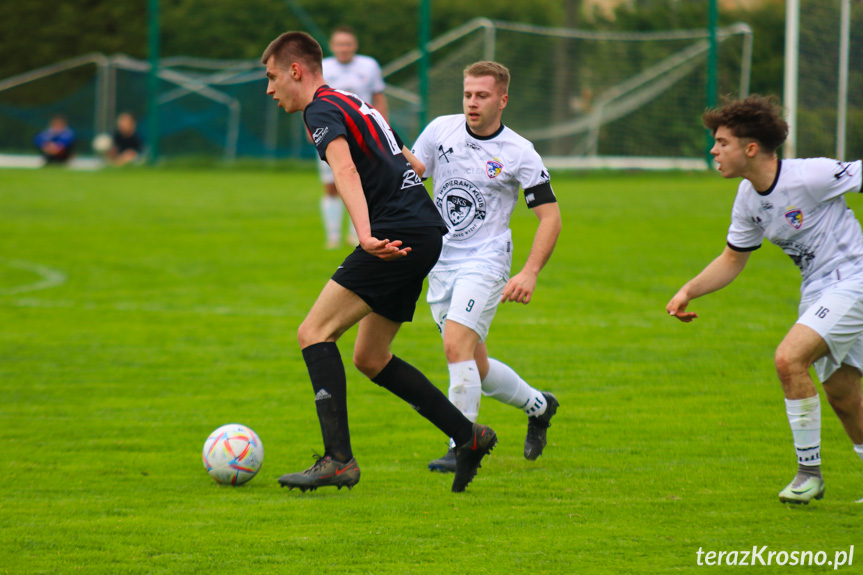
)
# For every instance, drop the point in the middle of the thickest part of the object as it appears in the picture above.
(362, 76)
(476, 182)
(804, 213)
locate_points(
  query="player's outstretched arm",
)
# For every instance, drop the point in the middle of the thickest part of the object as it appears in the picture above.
(718, 274)
(520, 287)
(350, 188)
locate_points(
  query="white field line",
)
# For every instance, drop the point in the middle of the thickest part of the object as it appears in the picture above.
(49, 277)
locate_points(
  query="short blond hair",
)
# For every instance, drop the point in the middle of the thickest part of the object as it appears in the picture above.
(499, 72)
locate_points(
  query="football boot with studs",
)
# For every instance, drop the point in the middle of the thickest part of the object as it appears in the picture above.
(537, 428)
(468, 456)
(325, 472)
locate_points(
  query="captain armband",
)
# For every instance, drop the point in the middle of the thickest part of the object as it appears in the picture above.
(539, 195)
(739, 249)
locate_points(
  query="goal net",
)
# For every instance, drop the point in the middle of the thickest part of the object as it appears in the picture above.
(829, 115)
(207, 108)
(585, 98)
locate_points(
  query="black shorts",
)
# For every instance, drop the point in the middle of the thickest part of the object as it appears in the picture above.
(391, 288)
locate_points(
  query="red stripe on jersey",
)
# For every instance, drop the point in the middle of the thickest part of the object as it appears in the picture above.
(358, 136)
(369, 124)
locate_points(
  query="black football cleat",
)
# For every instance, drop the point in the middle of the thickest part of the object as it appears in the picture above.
(445, 464)
(537, 427)
(469, 455)
(326, 471)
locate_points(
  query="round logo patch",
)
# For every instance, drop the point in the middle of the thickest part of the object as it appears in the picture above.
(462, 206)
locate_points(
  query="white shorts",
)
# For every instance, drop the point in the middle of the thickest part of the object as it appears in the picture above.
(837, 316)
(325, 172)
(469, 297)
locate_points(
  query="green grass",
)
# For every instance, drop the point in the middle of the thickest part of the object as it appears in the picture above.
(175, 311)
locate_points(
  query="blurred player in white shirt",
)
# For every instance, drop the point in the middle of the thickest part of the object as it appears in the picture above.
(478, 166)
(798, 205)
(346, 70)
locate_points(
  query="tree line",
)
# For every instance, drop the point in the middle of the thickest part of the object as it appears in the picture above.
(42, 32)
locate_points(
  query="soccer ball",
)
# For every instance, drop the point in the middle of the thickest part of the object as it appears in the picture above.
(233, 454)
(102, 143)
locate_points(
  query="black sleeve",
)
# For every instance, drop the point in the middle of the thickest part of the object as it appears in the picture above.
(738, 249)
(325, 123)
(539, 195)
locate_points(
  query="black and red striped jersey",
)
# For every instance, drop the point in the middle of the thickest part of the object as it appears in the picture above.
(394, 193)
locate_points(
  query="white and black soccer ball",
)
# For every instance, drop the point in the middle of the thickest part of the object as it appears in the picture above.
(102, 143)
(233, 454)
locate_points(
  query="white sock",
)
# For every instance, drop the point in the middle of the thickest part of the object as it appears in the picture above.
(331, 212)
(352, 232)
(506, 386)
(465, 389)
(859, 450)
(804, 416)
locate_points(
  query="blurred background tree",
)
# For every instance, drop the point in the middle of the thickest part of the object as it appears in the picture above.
(41, 32)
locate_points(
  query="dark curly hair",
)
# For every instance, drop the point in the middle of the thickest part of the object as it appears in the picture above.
(757, 117)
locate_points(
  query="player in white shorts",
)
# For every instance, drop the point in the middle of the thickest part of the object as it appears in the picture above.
(478, 165)
(346, 70)
(799, 206)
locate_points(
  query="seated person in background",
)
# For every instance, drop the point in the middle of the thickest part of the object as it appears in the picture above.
(127, 146)
(57, 142)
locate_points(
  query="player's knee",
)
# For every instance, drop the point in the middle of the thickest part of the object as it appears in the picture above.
(369, 364)
(303, 335)
(838, 401)
(786, 363)
(307, 335)
(455, 351)
(844, 395)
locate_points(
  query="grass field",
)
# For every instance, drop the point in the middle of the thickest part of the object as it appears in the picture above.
(139, 310)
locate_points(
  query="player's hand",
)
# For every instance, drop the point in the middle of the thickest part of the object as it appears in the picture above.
(519, 288)
(677, 308)
(384, 249)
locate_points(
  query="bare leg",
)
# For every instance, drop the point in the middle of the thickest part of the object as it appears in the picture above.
(800, 348)
(334, 312)
(843, 392)
(373, 357)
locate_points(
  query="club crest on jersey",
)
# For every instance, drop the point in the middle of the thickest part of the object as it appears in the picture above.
(794, 217)
(462, 206)
(493, 168)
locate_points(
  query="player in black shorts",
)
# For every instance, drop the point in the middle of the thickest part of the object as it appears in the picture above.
(378, 284)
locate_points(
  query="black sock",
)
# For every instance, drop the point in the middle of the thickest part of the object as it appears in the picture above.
(409, 384)
(331, 398)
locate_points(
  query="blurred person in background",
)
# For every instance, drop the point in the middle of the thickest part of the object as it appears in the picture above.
(127, 145)
(57, 142)
(361, 75)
